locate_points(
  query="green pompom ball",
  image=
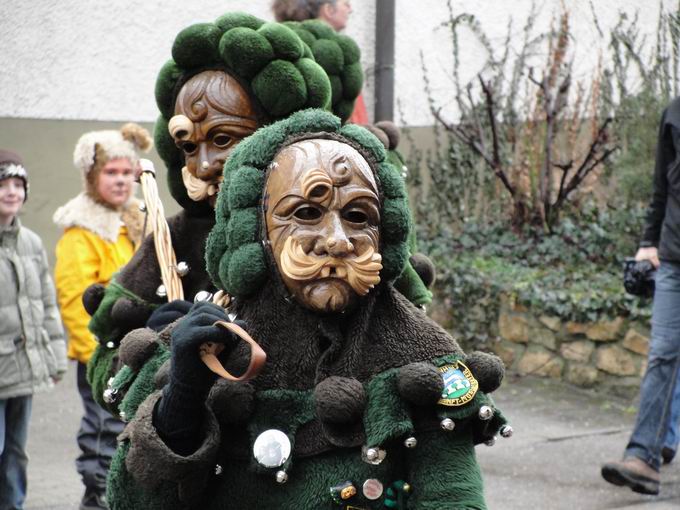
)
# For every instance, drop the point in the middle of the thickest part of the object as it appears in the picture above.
(246, 189)
(319, 29)
(286, 44)
(247, 270)
(307, 37)
(280, 88)
(391, 182)
(364, 138)
(242, 227)
(197, 46)
(336, 88)
(394, 258)
(245, 51)
(165, 88)
(343, 109)
(221, 277)
(350, 49)
(238, 19)
(318, 85)
(396, 220)
(352, 81)
(329, 55)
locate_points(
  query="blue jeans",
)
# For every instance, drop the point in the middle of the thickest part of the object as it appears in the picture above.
(96, 438)
(663, 364)
(673, 434)
(15, 414)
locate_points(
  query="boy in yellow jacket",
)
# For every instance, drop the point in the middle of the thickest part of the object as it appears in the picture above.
(102, 228)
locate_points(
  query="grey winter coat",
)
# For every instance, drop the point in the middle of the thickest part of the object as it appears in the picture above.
(32, 346)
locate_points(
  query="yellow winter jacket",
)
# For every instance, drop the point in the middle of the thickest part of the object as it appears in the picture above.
(84, 258)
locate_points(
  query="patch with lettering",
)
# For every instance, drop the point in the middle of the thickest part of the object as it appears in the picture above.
(459, 384)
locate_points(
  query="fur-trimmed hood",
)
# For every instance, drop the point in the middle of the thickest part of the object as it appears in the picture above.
(82, 211)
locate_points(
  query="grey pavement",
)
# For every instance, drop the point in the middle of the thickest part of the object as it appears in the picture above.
(562, 435)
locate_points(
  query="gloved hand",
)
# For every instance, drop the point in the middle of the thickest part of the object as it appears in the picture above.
(197, 327)
(167, 314)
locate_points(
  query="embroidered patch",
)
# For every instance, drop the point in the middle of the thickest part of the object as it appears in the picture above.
(459, 384)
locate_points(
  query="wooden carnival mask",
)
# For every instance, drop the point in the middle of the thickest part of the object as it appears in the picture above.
(322, 212)
(213, 113)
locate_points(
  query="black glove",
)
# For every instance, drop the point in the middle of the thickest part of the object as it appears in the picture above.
(167, 314)
(178, 417)
(186, 367)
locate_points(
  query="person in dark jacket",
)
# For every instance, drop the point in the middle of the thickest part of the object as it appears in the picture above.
(660, 244)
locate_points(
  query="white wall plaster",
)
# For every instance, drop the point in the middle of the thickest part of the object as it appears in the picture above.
(97, 60)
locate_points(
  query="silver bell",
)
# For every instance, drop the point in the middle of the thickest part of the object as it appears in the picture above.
(410, 442)
(122, 415)
(373, 455)
(281, 476)
(182, 268)
(448, 424)
(490, 442)
(109, 395)
(161, 291)
(202, 295)
(507, 431)
(485, 413)
(110, 345)
(142, 207)
(218, 469)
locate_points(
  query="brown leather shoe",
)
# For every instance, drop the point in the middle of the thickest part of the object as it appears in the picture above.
(634, 473)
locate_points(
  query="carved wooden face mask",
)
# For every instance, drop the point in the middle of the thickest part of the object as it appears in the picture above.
(322, 213)
(213, 113)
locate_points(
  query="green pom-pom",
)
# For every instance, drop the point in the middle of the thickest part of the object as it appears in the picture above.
(319, 29)
(307, 37)
(223, 275)
(318, 85)
(242, 227)
(246, 189)
(280, 88)
(352, 81)
(168, 76)
(245, 51)
(396, 220)
(364, 138)
(286, 44)
(350, 49)
(238, 19)
(336, 87)
(197, 46)
(214, 247)
(329, 55)
(343, 109)
(394, 258)
(247, 270)
(164, 143)
(391, 182)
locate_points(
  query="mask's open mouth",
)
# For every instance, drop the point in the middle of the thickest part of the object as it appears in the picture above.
(198, 189)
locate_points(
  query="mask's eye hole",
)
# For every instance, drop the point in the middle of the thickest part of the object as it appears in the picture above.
(307, 213)
(221, 140)
(355, 216)
(189, 148)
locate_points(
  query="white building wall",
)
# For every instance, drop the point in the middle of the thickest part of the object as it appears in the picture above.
(97, 59)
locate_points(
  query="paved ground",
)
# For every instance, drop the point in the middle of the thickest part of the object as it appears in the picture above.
(562, 435)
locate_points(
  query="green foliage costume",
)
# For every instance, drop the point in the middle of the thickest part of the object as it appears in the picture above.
(284, 68)
(379, 406)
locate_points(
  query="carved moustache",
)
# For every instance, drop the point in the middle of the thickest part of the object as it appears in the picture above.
(198, 189)
(362, 272)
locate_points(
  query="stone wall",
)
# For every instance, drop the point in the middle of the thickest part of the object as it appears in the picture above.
(609, 355)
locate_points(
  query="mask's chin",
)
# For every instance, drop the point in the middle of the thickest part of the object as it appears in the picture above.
(328, 295)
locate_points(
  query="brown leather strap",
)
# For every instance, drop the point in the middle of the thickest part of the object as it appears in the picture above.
(210, 350)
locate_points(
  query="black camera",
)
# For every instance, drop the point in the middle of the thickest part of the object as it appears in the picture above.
(638, 277)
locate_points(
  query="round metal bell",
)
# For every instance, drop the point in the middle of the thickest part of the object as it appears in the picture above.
(372, 454)
(202, 295)
(410, 442)
(109, 395)
(448, 424)
(281, 476)
(122, 415)
(507, 431)
(142, 207)
(110, 345)
(161, 291)
(272, 448)
(218, 469)
(490, 442)
(182, 268)
(485, 413)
